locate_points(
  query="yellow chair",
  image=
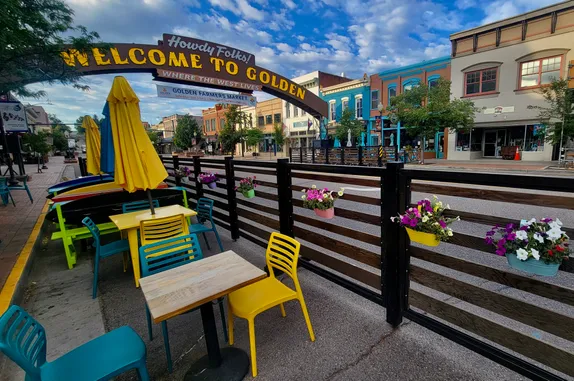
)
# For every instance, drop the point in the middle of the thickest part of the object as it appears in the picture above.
(158, 229)
(247, 302)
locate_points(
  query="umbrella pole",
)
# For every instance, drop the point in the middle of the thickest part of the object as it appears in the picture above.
(150, 201)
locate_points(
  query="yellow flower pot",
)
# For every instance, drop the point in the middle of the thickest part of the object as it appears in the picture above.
(427, 239)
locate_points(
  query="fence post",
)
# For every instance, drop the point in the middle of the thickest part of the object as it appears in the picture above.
(313, 155)
(326, 155)
(360, 155)
(380, 156)
(285, 194)
(231, 197)
(175, 159)
(301, 154)
(291, 154)
(393, 251)
(196, 172)
(342, 156)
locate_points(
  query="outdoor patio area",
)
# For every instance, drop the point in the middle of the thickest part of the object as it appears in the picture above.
(353, 341)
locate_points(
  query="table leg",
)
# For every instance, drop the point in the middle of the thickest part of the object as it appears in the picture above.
(230, 364)
(134, 252)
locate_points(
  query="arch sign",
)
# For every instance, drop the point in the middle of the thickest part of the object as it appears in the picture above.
(180, 59)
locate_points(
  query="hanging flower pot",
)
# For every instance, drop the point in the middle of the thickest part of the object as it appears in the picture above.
(249, 194)
(532, 266)
(425, 223)
(535, 247)
(247, 187)
(427, 239)
(327, 213)
(212, 185)
(209, 179)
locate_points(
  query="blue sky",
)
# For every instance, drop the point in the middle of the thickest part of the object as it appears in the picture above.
(291, 37)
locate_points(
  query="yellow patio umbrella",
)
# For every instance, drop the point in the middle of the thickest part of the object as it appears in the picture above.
(137, 164)
(93, 145)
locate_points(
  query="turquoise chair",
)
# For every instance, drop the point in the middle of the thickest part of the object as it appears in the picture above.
(23, 340)
(138, 205)
(205, 214)
(5, 192)
(23, 186)
(168, 254)
(103, 251)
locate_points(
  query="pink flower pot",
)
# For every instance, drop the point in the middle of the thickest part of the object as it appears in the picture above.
(212, 185)
(328, 214)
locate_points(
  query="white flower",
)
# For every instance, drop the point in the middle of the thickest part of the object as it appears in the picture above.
(521, 234)
(393, 218)
(528, 223)
(340, 193)
(320, 200)
(538, 237)
(314, 186)
(304, 190)
(436, 223)
(449, 232)
(342, 189)
(554, 234)
(303, 197)
(425, 219)
(522, 254)
(535, 254)
(555, 224)
(447, 206)
(440, 204)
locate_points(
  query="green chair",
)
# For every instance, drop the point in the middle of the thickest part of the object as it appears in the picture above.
(168, 254)
(5, 192)
(23, 340)
(103, 251)
(205, 214)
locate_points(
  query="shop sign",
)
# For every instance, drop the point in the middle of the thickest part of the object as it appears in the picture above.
(13, 117)
(202, 95)
(498, 110)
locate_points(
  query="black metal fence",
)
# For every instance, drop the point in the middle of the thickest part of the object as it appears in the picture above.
(373, 257)
(362, 156)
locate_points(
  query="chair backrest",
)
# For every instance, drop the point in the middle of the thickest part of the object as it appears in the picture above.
(167, 254)
(23, 340)
(3, 184)
(138, 205)
(158, 229)
(204, 209)
(283, 254)
(93, 228)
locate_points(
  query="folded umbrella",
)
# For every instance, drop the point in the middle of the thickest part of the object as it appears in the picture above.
(93, 144)
(107, 146)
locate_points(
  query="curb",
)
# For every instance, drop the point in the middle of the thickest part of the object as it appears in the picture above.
(12, 289)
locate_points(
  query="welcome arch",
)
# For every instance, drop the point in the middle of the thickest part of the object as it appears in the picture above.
(186, 60)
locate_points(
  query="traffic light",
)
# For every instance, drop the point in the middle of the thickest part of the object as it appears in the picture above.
(571, 75)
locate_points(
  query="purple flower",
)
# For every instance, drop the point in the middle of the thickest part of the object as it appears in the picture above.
(546, 220)
(490, 233)
(511, 236)
(501, 243)
(488, 240)
(501, 251)
(405, 220)
(442, 224)
(413, 223)
(524, 228)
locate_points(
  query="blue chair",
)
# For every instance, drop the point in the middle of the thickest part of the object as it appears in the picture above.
(204, 214)
(23, 340)
(5, 192)
(138, 205)
(103, 251)
(23, 186)
(168, 254)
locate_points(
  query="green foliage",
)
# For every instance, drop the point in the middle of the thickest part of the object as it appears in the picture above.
(278, 134)
(187, 129)
(60, 140)
(229, 136)
(347, 121)
(425, 110)
(253, 136)
(80, 120)
(34, 32)
(37, 142)
(558, 109)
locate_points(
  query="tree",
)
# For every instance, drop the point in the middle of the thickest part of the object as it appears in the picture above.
(278, 136)
(153, 137)
(34, 33)
(80, 120)
(425, 110)
(187, 129)
(60, 140)
(230, 136)
(253, 136)
(348, 122)
(37, 142)
(558, 110)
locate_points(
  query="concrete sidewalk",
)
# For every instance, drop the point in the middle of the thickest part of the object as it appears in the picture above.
(353, 340)
(16, 223)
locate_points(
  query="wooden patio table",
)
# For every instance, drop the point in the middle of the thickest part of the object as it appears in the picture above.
(197, 284)
(130, 222)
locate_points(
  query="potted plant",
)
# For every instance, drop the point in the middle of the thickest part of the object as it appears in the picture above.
(180, 173)
(247, 187)
(321, 201)
(536, 247)
(425, 223)
(210, 179)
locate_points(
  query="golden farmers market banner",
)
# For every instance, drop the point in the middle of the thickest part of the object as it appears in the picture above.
(182, 59)
(164, 91)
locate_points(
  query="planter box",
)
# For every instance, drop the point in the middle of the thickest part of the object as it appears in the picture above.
(532, 266)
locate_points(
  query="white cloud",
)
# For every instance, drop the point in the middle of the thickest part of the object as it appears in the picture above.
(284, 47)
(249, 11)
(289, 4)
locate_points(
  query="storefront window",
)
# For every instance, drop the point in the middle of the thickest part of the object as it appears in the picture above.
(535, 137)
(430, 144)
(390, 138)
(516, 136)
(462, 141)
(476, 140)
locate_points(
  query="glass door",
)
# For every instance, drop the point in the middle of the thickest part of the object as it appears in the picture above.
(500, 141)
(489, 144)
(439, 146)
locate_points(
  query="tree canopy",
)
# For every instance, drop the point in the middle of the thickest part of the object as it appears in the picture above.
(229, 136)
(37, 142)
(187, 129)
(558, 109)
(348, 122)
(253, 136)
(278, 134)
(425, 110)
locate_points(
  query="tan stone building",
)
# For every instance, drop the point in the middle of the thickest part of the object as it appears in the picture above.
(501, 67)
(37, 119)
(268, 113)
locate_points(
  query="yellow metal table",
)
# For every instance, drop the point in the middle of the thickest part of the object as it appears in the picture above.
(130, 223)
